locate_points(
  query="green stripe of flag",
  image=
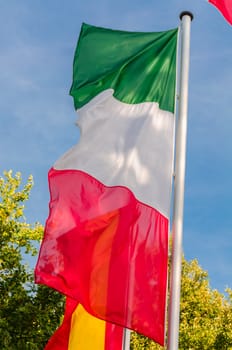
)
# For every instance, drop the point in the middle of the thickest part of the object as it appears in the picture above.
(140, 67)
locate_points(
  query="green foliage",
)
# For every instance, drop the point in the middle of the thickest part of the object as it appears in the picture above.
(29, 314)
(139, 342)
(201, 309)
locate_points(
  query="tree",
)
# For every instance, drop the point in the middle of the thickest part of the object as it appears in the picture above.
(29, 314)
(205, 314)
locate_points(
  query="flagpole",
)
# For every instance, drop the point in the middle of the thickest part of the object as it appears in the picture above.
(179, 180)
(126, 339)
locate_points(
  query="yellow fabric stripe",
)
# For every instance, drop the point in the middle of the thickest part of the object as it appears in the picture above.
(87, 332)
(100, 260)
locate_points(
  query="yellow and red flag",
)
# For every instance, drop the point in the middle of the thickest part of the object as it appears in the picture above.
(81, 331)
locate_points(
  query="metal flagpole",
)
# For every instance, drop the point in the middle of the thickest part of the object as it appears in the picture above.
(177, 226)
(126, 339)
(179, 180)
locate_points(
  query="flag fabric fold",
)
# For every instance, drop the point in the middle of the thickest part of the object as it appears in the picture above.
(225, 7)
(81, 331)
(106, 237)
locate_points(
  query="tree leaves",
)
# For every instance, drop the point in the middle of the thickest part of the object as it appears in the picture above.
(29, 314)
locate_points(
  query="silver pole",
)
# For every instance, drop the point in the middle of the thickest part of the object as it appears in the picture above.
(126, 339)
(179, 180)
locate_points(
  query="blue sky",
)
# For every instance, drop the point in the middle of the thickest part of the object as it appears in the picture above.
(38, 40)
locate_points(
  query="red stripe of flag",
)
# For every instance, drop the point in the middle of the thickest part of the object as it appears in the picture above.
(108, 250)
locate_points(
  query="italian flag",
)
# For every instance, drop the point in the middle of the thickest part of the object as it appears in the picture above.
(106, 238)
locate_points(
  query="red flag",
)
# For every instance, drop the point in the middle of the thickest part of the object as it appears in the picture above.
(225, 7)
(81, 331)
(111, 256)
